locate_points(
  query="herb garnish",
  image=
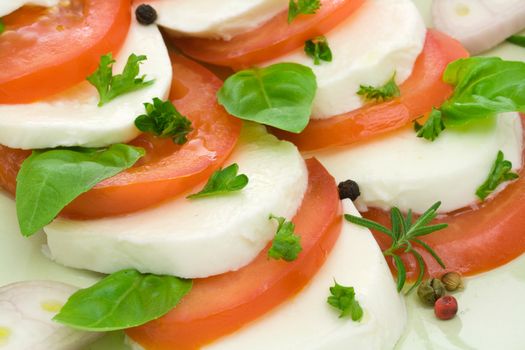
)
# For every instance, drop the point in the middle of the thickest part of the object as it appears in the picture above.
(110, 86)
(50, 180)
(517, 40)
(305, 7)
(432, 127)
(380, 94)
(2, 26)
(404, 234)
(499, 173)
(343, 299)
(123, 300)
(318, 49)
(164, 120)
(223, 181)
(286, 245)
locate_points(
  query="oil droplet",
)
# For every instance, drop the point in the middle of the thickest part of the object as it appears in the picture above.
(4, 335)
(462, 10)
(51, 306)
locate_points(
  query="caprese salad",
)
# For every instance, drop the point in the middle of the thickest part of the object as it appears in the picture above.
(222, 212)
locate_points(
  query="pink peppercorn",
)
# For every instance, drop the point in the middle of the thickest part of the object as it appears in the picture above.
(446, 307)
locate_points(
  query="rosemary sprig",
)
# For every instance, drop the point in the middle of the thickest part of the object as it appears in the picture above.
(404, 234)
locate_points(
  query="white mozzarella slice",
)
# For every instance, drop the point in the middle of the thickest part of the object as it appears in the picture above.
(73, 117)
(307, 322)
(26, 312)
(479, 24)
(8, 6)
(194, 238)
(412, 173)
(215, 19)
(382, 38)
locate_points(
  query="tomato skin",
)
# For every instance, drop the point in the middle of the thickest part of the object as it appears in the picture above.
(167, 170)
(220, 305)
(273, 39)
(477, 240)
(43, 67)
(423, 90)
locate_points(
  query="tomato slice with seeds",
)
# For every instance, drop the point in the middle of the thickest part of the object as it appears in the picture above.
(167, 169)
(273, 39)
(32, 47)
(476, 240)
(423, 90)
(220, 305)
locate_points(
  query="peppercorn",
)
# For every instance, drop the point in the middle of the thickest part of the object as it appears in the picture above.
(452, 281)
(146, 14)
(430, 290)
(446, 307)
(348, 189)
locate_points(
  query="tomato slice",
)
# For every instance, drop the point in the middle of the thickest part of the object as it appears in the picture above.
(167, 169)
(36, 62)
(273, 39)
(476, 240)
(423, 90)
(220, 305)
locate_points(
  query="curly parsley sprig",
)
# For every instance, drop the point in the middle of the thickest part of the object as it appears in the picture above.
(383, 93)
(302, 7)
(404, 234)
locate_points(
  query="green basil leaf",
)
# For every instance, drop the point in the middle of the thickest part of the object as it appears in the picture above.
(280, 95)
(50, 180)
(123, 300)
(223, 181)
(517, 40)
(2, 26)
(318, 49)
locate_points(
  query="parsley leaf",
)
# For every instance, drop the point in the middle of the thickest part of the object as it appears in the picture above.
(318, 49)
(2, 26)
(380, 94)
(163, 119)
(343, 299)
(110, 86)
(305, 7)
(499, 173)
(286, 244)
(223, 181)
(404, 234)
(432, 127)
(517, 40)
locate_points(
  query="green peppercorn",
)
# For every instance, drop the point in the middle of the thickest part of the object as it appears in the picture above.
(452, 281)
(430, 290)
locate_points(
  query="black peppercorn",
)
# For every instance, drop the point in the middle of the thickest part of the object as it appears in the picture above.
(349, 189)
(146, 14)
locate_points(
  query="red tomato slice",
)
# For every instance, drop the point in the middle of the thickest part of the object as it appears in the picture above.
(476, 240)
(220, 305)
(167, 169)
(423, 90)
(273, 39)
(36, 62)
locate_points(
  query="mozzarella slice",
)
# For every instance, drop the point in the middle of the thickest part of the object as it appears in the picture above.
(479, 24)
(307, 322)
(26, 312)
(215, 19)
(8, 6)
(73, 117)
(412, 173)
(382, 38)
(194, 238)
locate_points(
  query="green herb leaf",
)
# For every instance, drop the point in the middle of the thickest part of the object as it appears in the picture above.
(318, 49)
(123, 300)
(380, 94)
(164, 120)
(286, 244)
(2, 26)
(499, 173)
(517, 40)
(223, 181)
(404, 233)
(110, 86)
(305, 7)
(280, 95)
(49, 180)
(432, 127)
(343, 298)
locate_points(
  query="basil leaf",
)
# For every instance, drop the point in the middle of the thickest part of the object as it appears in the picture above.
(2, 26)
(318, 49)
(484, 87)
(280, 95)
(50, 180)
(223, 181)
(517, 40)
(123, 300)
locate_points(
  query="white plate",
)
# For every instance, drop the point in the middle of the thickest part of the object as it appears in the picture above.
(491, 312)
